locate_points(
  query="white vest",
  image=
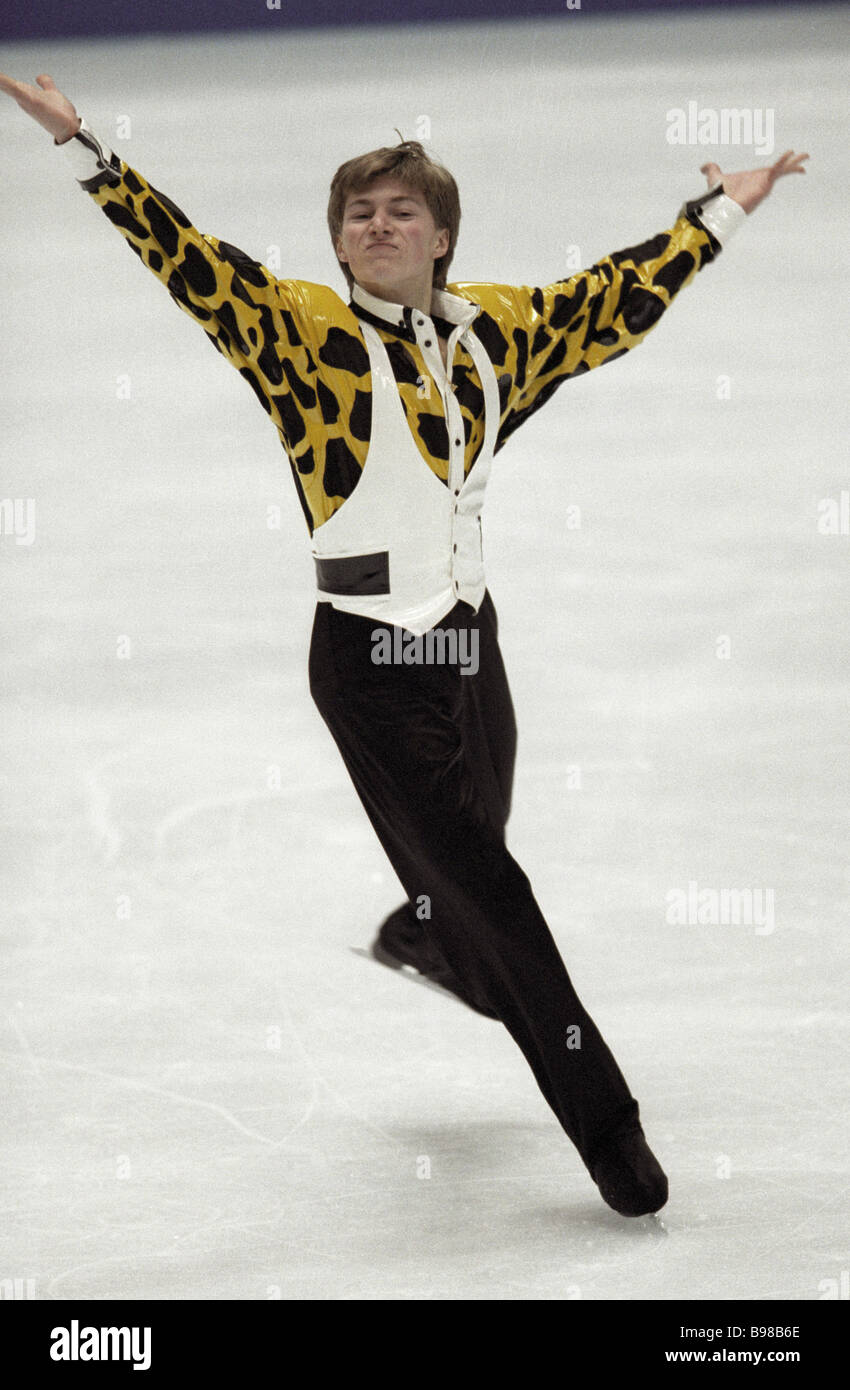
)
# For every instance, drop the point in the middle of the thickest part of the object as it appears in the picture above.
(423, 538)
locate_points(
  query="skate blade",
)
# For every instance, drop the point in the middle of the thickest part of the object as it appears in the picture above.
(408, 972)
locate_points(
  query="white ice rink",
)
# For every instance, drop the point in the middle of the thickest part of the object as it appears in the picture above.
(205, 1093)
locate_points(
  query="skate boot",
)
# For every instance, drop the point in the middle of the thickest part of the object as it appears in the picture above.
(401, 941)
(629, 1176)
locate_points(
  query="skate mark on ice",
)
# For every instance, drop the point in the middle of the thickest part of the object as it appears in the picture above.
(131, 1083)
(237, 800)
(50, 1290)
(25, 1047)
(341, 1100)
(106, 833)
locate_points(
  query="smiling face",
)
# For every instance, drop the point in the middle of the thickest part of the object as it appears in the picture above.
(390, 241)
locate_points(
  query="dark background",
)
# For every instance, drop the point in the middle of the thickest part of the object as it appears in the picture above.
(47, 19)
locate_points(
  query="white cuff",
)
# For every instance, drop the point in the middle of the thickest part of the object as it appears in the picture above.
(723, 217)
(717, 212)
(88, 156)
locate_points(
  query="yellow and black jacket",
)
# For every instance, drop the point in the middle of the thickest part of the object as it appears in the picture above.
(300, 348)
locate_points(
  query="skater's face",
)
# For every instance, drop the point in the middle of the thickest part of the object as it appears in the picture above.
(390, 241)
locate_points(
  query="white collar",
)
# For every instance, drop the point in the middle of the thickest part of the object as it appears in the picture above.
(447, 306)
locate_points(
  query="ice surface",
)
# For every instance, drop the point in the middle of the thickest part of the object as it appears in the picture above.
(206, 1093)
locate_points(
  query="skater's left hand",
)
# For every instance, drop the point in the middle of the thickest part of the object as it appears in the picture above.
(752, 188)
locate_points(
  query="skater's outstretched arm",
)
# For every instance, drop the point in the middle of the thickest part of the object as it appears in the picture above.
(227, 292)
(554, 332)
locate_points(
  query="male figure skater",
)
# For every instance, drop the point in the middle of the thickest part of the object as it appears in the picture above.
(390, 408)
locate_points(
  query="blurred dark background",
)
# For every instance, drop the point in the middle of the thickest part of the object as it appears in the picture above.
(45, 19)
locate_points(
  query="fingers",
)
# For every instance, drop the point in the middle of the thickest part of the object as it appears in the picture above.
(21, 91)
(9, 84)
(25, 89)
(782, 166)
(787, 163)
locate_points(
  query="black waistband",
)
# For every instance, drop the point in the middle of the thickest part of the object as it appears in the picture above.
(354, 574)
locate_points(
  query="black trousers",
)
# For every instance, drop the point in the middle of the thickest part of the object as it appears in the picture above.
(431, 753)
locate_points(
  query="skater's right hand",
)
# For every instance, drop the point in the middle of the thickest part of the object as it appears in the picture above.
(48, 106)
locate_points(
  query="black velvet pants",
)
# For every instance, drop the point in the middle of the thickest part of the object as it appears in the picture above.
(431, 752)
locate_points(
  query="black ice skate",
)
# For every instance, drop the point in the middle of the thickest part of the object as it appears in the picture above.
(401, 945)
(630, 1177)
